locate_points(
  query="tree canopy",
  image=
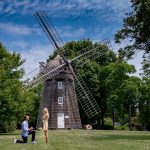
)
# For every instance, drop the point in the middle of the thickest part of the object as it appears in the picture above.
(14, 101)
(10, 86)
(136, 28)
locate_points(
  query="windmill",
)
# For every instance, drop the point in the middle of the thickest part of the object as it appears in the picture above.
(63, 84)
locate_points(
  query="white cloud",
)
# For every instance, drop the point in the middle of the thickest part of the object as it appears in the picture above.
(34, 55)
(97, 8)
(24, 3)
(15, 29)
(70, 32)
(20, 44)
(66, 8)
(18, 6)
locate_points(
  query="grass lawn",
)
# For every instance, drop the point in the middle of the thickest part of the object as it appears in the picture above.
(80, 140)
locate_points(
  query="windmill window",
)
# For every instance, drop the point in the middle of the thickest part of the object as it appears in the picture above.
(60, 85)
(60, 100)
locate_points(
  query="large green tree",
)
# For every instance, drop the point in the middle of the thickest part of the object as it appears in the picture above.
(30, 104)
(136, 28)
(117, 75)
(15, 101)
(144, 104)
(129, 95)
(10, 87)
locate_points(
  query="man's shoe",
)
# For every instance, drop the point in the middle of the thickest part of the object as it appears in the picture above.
(34, 142)
(15, 141)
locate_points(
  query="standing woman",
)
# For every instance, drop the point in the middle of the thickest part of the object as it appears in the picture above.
(45, 123)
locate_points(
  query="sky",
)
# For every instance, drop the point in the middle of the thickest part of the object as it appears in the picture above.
(73, 20)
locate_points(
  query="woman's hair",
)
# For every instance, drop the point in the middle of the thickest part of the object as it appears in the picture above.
(45, 110)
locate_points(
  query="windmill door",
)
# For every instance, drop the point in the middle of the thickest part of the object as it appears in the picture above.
(60, 120)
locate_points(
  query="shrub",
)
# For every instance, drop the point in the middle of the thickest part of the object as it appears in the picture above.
(108, 124)
(122, 127)
(8, 126)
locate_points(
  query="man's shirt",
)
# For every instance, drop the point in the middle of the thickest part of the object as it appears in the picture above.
(24, 128)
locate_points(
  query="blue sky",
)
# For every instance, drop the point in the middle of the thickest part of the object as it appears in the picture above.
(73, 19)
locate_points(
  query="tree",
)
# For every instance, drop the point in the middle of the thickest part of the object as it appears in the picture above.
(129, 95)
(10, 87)
(30, 104)
(117, 74)
(136, 28)
(144, 104)
(15, 101)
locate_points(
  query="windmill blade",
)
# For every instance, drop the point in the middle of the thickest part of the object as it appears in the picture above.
(39, 76)
(90, 52)
(91, 56)
(45, 71)
(85, 97)
(49, 29)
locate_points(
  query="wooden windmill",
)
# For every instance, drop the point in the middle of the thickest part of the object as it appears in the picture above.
(63, 85)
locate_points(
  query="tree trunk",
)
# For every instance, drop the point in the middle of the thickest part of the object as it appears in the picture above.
(129, 116)
(113, 119)
(102, 122)
(98, 122)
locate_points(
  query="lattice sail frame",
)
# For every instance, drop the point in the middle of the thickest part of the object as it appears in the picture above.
(49, 29)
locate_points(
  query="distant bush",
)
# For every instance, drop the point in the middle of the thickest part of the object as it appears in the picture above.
(108, 124)
(136, 124)
(122, 127)
(8, 126)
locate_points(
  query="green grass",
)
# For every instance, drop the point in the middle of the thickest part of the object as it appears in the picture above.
(81, 140)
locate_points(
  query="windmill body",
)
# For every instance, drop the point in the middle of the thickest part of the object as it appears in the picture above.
(59, 97)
